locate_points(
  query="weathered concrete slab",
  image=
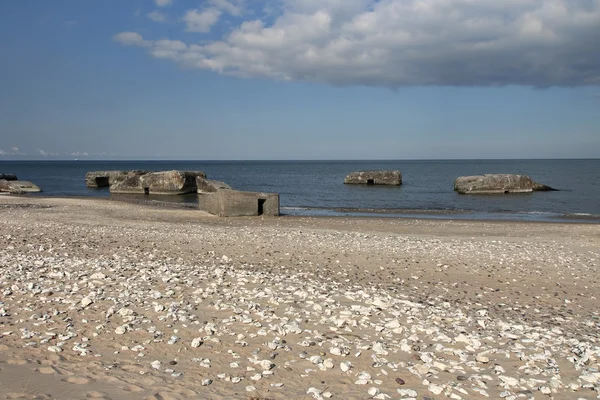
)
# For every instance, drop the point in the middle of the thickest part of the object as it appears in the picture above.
(100, 179)
(497, 184)
(18, 187)
(208, 185)
(234, 203)
(9, 177)
(393, 178)
(162, 182)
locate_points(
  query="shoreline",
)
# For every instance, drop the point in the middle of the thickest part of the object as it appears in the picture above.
(344, 212)
(112, 299)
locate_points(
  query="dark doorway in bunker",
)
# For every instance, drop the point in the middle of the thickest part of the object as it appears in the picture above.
(370, 181)
(261, 204)
(102, 181)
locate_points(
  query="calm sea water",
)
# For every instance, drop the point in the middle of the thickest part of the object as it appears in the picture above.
(316, 187)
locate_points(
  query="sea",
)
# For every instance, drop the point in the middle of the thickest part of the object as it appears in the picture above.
(316, 188)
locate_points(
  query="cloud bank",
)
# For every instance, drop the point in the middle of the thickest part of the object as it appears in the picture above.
(394, 43)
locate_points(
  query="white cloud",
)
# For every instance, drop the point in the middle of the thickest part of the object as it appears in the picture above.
(80, 154)
(201, 21)
(394, 43)
(234, 7)
(14, 151)
(156, 16)
(163, 3)
(71, 23)
(45, 153)
(131, 39)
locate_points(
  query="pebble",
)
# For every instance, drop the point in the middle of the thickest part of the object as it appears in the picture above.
(482, 359)
(86, 301)
(345, 366)
(55, 349)
(120, 330)
(404, 393)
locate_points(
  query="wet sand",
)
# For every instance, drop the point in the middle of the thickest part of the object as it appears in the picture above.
(107, 299)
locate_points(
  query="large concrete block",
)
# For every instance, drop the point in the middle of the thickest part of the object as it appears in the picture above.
(18, 187)
(163, 182)
(234, 203)
(208, 186)
(493, 184)
(393, 178)
(497, 184)
(100, 179)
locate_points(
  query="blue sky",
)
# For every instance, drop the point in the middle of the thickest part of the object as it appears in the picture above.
(305, 79)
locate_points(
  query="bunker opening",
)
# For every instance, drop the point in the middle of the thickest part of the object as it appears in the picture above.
(261, 204)
(101, 181)
(146, 190)
(370, 181)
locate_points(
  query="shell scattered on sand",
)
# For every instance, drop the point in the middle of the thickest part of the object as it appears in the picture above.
(281, 314)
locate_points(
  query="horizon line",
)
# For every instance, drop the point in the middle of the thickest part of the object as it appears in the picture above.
(293, 159)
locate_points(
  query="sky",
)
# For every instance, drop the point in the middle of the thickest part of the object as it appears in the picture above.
(303, 79)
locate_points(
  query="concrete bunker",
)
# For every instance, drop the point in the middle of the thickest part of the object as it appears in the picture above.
(234, 203)
(161, 182)
(497, 184)
(370, 178)
(102, 179)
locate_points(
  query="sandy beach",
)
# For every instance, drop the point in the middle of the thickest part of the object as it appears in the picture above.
(114, 300)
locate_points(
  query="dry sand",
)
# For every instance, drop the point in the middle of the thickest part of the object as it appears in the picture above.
(105, 299)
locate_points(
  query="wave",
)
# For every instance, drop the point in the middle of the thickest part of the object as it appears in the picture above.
(499, 215)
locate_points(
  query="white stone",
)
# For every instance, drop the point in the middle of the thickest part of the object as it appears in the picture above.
(407, 393)
(266, 365)
(345, 366)
(435, 389)
(120, 330)
(379, 349)
(316, 359)
(393, 324)
(86, 301)
(482, 359)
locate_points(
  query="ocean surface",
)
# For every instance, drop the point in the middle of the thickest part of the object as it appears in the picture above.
(315, 188)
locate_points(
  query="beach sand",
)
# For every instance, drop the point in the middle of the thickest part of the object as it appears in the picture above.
(113, 300)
